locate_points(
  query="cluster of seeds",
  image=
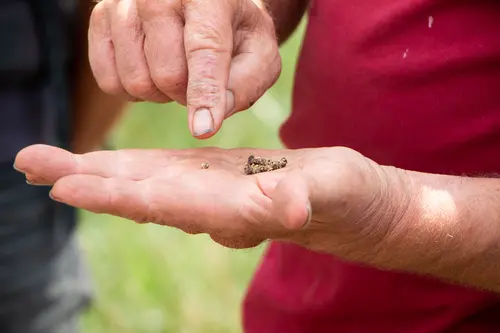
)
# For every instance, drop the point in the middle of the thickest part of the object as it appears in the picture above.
(260, 164)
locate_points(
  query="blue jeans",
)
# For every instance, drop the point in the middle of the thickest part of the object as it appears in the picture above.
(43, 283)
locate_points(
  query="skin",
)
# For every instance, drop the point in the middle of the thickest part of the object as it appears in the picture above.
(331, 200)
(287, 15)
(207, 55)
(95, 112)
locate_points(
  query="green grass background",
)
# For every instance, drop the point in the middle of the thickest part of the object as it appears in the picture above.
(156, 279)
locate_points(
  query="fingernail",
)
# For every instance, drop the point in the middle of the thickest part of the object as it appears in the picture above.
(53, 198)
(229, 103)
(309, 215)
(203, 122)
(33, 183)
(16, 168)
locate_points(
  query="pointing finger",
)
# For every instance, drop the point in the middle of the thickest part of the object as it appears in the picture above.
(208, 43)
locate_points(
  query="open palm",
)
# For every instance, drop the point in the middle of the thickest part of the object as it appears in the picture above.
(202, 190)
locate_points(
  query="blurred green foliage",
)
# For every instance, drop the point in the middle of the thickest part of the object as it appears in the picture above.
(156, 279)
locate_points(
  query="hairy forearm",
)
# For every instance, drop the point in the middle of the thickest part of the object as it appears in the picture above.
(287, 15)
(95, 112)
(450, 229)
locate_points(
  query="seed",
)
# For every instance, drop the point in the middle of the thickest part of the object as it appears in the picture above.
(256, 164)
(251, 158)
(205, 165)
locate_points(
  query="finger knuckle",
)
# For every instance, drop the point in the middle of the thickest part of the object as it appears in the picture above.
(126, 18)
(153, 9)
(271, 59)
(110, 86)
(144, 6)
(98, 13)
(268, 24)
(275, 67)
(205, 36)
(204, 92)
(139, 87)
(270, 51)
(169, 80)
(203, 87)
(204, 61)
(130, 24)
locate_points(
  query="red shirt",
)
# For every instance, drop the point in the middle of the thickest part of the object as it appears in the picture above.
(409, 83)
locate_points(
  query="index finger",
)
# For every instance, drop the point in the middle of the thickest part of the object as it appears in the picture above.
(208, 42)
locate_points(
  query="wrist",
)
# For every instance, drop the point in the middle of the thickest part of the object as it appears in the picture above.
(392, 207)
(376, 201)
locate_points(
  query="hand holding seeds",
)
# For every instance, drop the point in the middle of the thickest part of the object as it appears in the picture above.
(240, 197)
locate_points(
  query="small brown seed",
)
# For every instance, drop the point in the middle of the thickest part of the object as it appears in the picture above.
(248, 169)
(251, 159)
(205, 165)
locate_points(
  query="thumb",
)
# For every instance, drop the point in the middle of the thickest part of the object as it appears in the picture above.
(290, 198)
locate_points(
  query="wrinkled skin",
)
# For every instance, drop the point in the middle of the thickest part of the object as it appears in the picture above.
(218, 56)
(327, 193)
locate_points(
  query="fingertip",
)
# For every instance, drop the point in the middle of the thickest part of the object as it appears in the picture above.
(29, 158)
(53, 197)
(206, 123)
(82, 191)
(202, 123)
(67, 188)
(206, 118)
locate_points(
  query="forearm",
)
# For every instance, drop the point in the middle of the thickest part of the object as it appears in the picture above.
(450, 229)
(95, 112)
(287, 15)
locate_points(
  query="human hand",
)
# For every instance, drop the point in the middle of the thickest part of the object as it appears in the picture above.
(215, 56)
(326, 199)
